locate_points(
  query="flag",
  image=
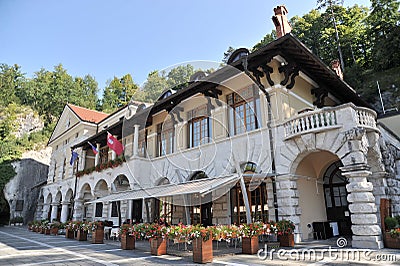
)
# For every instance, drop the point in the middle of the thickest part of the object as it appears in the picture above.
(74, 156)
(94, 149)
(114, 144)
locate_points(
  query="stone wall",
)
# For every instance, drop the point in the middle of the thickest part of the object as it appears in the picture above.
(22, 191)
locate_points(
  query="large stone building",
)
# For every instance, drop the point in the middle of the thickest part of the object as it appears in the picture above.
(275, 134)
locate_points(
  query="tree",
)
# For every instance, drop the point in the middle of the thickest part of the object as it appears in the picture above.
(118, 93)
(270, 37)
(384, 31)
(227, 54)
(179, 75)
(85, 92)
(11, 83)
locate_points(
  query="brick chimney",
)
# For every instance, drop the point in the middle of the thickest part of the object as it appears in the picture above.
(281, 22)
(335, 65)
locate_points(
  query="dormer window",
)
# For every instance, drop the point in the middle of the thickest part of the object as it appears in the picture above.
(237, 55)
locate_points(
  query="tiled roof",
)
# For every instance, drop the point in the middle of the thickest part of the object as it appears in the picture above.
(87, 114)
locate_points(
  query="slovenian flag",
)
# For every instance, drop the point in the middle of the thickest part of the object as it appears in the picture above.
(94, 149)
(114, 144)
(74, 156)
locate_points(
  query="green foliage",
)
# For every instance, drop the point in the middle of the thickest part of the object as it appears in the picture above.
(266, 40)
(11, 83)
(118, 93)
(390, 223)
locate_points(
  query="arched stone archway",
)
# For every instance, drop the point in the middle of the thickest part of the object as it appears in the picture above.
(56, 207)
(81, 210)
(40, 205)
(351, 146)
(46, 214)
(120, 183)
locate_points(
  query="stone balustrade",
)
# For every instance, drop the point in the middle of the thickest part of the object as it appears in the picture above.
(328, 118)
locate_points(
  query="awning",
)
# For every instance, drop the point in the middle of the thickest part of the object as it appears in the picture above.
(189, 193)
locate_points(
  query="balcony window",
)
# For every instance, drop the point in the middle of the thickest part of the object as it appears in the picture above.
(165, 138)
(244, 114)
(199, 132)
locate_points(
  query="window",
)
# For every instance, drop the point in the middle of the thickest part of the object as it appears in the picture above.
(99, 209)
(55, 171)
(104, 154)
(198, 131)
(142, 143)
(245, 108)
(165, 138)
(64, 168)
(258, 204)
(115, 208)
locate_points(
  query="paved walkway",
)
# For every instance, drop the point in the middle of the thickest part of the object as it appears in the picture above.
(18, 246)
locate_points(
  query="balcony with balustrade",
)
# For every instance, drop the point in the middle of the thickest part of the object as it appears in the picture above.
(328, 118)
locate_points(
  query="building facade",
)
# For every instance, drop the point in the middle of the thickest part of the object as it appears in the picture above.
(275, 134)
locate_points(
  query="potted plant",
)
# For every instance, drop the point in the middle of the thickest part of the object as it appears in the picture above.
(201, 238)
(54, 226)
(97, 229)
(250, 233)
(69, 230)
(127, 237)
(156, 234)
(81, 230)
(285, 231)
(392, 233)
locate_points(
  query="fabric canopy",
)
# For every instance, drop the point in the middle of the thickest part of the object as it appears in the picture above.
(188, 193)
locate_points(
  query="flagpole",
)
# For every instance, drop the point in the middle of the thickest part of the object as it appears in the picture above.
(76, 182)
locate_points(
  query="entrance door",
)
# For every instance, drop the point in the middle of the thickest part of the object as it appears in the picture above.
(137, 211)
(206, 214)
(336, 198)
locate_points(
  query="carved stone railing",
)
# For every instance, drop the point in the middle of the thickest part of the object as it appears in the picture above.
(310, 121)
(329, 118)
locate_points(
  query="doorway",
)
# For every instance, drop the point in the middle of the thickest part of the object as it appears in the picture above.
(137, 211)
(336, 198)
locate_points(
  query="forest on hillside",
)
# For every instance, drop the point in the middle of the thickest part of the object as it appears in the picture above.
(368, 39)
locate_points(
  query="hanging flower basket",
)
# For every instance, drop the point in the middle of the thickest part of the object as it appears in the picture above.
(202, 250)
(250, 245)
(127, 242)
(158, 246)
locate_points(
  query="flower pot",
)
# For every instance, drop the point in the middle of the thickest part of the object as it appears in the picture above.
(158, 246)
(41, 231)
(202, 250)
(127, 242)
(391, 242)
(47, 231)
(98, 236)
(286, 240)
(250, 245)
(54, 231)
(81, 235)
(69, 233)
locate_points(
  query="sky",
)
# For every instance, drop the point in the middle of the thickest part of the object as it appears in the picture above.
(117, 37)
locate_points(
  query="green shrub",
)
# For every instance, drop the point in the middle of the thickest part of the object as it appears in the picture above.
(390, 223)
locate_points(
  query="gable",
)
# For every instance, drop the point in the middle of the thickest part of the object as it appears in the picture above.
(67, 121)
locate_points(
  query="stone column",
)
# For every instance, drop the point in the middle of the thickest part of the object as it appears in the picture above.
(64, 211)
(379, 183)
(78, 210)
(39, 211)
(136, 140)
(366, 230)
(288, 202)
(54, 210)
(45, 211)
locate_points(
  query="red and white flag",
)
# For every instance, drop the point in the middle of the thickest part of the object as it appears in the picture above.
(114, 144)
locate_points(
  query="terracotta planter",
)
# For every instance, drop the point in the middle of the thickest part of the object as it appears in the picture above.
(391, 242)
(41, 231)
(98, 236)
(69, 233)
(81, 235)
(286, 240)
(54, 231)
(250, 245)
(202, 250)
(47, 231)
(158, 246)
(127, 242)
